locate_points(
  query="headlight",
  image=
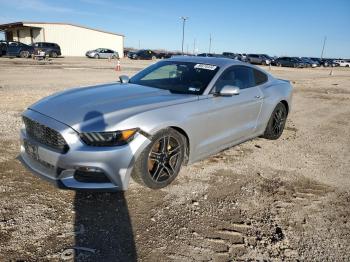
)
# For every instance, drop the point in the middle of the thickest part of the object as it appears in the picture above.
(116, 138)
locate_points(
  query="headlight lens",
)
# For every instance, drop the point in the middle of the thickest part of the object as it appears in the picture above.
(116, 138)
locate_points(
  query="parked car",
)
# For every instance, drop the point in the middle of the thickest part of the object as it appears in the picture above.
(3, 48)
(258, 59)
(143, 54)
(174, 112)
(272, 59)
(343, 63)
(163, 55)
(289, 62)
(206, 55)
(317, 60)
(230, 55)
(329, 62)
(102, 53)
(242, 57)
(17, 49)
(210, 55)
(309, 62)
(51, 49)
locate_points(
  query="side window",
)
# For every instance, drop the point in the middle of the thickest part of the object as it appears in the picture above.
(260, 77)
(239, 76)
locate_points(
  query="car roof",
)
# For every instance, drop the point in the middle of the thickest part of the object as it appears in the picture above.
(218, 61)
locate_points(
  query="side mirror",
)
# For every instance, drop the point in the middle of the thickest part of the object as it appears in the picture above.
(124, 79)
(229, 90)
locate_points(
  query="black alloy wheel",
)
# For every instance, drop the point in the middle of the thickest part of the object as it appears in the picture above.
(160, 162)
(277, 121)
(163, 158)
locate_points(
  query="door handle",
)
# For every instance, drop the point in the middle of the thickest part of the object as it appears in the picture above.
(257, 97)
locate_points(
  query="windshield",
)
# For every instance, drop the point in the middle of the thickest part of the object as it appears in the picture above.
(177, 77)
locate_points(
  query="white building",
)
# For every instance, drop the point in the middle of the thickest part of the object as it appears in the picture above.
(74, 40)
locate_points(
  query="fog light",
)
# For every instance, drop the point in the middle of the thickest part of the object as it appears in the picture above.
(87, 169)
(90, 175)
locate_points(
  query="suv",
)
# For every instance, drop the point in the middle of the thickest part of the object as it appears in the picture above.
(289, 62)
(230, 55)
(258, 59)
(13, 48)
(52, 49)
(145, 54)
(343, 63)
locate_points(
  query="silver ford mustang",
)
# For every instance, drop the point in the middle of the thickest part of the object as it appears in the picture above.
(174, 112)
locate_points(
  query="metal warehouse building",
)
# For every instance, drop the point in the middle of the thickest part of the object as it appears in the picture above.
(74, 40)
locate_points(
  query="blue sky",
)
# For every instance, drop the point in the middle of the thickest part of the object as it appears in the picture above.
(275, 27)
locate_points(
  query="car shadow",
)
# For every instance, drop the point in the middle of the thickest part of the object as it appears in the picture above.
(103, 225)
(102, 222)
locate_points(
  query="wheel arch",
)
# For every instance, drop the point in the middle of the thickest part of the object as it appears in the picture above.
(182, 132)
(285, 103)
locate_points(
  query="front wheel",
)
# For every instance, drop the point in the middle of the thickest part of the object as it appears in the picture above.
(276, 122)
(160, 162)
(96, 56)
(24, 54)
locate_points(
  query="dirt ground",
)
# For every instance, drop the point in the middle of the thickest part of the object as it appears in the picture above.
(262, 200)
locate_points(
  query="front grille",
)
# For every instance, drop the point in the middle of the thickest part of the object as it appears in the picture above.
(45, 135)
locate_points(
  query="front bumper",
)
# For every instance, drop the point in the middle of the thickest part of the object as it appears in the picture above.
(116, 163)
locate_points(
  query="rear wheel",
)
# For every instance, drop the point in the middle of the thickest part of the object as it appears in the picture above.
(160, 162)
(53, 54)
(24, 54)
(154, 57)
(276, 122)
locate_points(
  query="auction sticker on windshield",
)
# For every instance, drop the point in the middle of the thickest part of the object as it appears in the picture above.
(204, 66)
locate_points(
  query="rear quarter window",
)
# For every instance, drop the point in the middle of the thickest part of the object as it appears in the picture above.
(260, 77)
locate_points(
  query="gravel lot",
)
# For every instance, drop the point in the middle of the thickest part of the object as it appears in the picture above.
(276, 200)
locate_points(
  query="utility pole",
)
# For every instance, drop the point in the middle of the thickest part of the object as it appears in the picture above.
(184, 18)
(324, 43)
(194, 46)
(209, 43)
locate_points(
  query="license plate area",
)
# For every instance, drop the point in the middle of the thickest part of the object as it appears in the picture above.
(31, 149)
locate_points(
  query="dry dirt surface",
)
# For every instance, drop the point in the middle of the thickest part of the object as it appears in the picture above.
(260, 201)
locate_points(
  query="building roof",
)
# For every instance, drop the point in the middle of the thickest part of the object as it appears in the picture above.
(28, 24)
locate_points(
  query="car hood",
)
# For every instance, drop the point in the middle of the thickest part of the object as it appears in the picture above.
(100, 108)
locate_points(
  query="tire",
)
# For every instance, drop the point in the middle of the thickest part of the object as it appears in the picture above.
(154, 57)
(53, 54)
(277, 121)
(113, 57)
(96, 56)
(347, 66)
(24, 54)
(159, 164)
